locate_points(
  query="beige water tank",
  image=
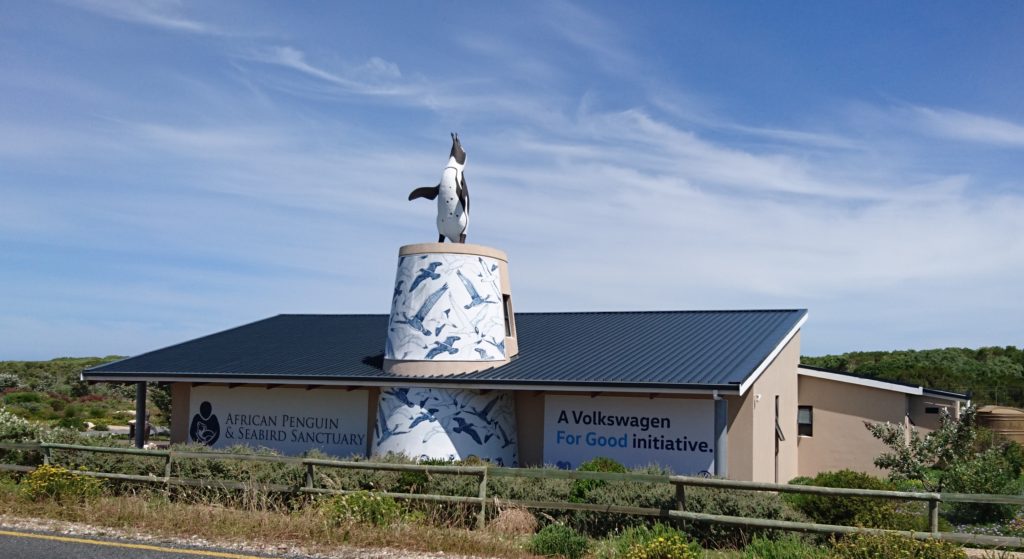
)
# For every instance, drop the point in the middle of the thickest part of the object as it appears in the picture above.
(1003, 420)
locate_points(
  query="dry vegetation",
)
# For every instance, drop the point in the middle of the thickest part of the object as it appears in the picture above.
(304, 527)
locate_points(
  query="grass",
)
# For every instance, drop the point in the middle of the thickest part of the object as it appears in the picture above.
(263, 523)
(305, 527)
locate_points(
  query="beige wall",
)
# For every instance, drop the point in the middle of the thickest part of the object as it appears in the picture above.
(740, 436)
(840, 440)
(530, 427)
(752, 428)
(927, 422)
(180, 392)
(779, 380)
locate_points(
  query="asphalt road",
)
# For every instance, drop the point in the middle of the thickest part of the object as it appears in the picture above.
(17, 544)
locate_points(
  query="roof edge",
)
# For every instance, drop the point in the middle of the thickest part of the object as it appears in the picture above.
(708, 389)
(752, 378)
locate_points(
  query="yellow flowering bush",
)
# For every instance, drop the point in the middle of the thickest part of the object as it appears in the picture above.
(667, 546)
(54, 482)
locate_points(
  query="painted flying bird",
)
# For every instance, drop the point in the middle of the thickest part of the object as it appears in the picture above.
(471, 289)
(485, 414)
(506, 441)
(400, 394)
(499, 346)
(398, 290)
(483, 353)
(467, 428)
(430, 434)
(383, 431)
(426, 415)
(425, 274)
(452, 195)
(444, 347)
(400, 339)
(416, 322)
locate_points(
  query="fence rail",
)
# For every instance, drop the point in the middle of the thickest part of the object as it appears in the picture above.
(485, 472)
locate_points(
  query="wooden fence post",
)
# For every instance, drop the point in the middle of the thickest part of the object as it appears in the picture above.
(309, 476)
(681, 501)
(933, 516)
(167, 469)
(481, 520)
(680, 496)
(46, 453)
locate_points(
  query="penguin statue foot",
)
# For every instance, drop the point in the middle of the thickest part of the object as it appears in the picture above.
(452, 196)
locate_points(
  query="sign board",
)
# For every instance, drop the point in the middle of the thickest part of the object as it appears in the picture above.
(671, 432)
(289, 420)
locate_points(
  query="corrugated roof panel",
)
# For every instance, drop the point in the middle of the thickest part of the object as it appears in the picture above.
(670, 348)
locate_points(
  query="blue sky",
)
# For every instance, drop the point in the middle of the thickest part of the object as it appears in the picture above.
(170, 169)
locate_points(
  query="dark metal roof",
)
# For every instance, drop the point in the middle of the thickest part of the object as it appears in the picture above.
(672, 349)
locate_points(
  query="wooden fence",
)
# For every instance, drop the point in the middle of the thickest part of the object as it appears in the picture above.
(484, 473)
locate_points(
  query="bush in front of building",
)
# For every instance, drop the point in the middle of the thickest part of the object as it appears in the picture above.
(959, 457)
(747, 504)
(559, 540)
(990, 472)
(364, 507)
(670, 546)
(648, 542)
(853, 511)
(581, 488)
(54, 482)
(788, 547)
(875, 546)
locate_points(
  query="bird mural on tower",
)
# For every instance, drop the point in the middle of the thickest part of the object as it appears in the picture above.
(452, 196)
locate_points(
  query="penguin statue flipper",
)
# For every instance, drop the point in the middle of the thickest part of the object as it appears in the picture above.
(463, 192)
(428, 192)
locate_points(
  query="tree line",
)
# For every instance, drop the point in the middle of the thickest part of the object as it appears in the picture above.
(992, 375)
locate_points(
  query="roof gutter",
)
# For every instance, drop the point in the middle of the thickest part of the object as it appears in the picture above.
(591, 387)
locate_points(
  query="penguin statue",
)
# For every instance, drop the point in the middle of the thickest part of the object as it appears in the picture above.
(452, 196)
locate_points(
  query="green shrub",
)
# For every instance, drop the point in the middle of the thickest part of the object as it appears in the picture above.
(15, 429)
(620, 543)
(735, 503)
(674, 545)
(61, 484)
(989, 472)
(581, 488)
(74, 423)
(872, 546)
(8, 380)
(23, 398)
(101, 427)
(560, 540)
(851, 511)
(364, 507)
(1013, 453)
(788, 547)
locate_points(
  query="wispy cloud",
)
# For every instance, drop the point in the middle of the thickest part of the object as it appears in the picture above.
(165, 14)
(968, 127)
(375, 77)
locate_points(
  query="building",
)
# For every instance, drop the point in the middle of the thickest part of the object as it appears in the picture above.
(834, 406)
(453, 372)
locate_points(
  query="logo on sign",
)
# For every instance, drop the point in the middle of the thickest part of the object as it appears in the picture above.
(205, 429)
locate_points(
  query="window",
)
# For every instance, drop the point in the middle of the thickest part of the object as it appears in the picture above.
(931, 410)
(506, 301)
(805, 421)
